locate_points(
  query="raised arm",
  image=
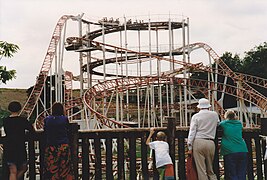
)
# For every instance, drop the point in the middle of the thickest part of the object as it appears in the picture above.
(152, 130)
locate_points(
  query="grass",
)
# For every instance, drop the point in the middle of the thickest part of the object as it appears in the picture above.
(8, 95)
(20, 95)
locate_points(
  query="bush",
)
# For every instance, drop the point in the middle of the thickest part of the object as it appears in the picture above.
(3, 114)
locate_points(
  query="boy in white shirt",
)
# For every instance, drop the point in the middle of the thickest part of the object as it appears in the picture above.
(163, 160)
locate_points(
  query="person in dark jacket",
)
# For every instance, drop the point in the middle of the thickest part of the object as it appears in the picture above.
(15, 153)
(233, 148)
(57, 158)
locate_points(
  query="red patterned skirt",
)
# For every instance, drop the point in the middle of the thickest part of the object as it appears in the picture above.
(57, 163)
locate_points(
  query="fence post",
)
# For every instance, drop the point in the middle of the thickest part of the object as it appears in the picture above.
(144, 158)
(42, 144)
(250, 157)
(74, 136)
(181, 169)
(120, 160)
(4, 174)
(216, 161)
(171, 128)
(31, 152)
(258, 156)
(263, 122)
(263, 140)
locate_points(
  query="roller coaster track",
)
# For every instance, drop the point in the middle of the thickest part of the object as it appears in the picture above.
(39, 122)
(131, 58)
(225, 70)
(129, 26)
(136, 27)
(123, 84)
(258, 99)
(258, 81)
(69, 102)
(103, 88)
(40, 82)
(68, 87)
(246, 92)
(98, 91)
(164, 25)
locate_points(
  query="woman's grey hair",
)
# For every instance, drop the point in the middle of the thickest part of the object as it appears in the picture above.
(230, 114)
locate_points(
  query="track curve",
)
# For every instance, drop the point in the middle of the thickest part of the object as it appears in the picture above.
(98, 91)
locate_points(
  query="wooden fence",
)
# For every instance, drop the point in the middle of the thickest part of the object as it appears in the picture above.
(123, 153)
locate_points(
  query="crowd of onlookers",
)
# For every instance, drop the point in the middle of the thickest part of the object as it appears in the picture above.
(201, 146)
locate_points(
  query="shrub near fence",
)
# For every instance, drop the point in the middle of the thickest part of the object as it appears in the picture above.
(123, 154)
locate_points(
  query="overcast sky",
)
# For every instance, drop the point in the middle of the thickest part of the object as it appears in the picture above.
(227, 25)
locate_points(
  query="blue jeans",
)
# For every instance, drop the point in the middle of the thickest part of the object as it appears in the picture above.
(235, 166)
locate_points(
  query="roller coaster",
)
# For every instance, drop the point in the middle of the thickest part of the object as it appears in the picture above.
(136, 71)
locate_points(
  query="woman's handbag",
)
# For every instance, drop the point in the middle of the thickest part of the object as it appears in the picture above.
(191, 170)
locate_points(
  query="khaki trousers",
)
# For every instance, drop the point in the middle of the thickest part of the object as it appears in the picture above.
(203, 152)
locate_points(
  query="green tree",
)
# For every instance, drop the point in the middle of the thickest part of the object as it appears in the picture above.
(255, 61)
(7, 50)
(233, 61)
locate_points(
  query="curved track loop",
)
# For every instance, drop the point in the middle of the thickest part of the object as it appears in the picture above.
(258, 99)
(225, 70)
(258, 81)
(40, 82)
(39, 122)
(105, 88)
(101, 90)
(123, 84)
(136, 27)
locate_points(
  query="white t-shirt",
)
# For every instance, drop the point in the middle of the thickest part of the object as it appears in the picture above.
(161, 152)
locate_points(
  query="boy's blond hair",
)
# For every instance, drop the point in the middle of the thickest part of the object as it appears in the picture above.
(161, 136)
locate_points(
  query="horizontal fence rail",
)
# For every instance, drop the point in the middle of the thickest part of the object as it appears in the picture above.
(123, 153)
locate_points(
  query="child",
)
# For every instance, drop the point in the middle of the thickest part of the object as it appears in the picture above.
(163, 159)
(14, 146)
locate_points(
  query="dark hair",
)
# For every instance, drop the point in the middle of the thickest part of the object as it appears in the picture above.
(58, 109)
(14, 106)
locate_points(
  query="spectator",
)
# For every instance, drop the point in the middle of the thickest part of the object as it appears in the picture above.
(163, 160)
(57, 159)
(15, 153)
(233, 148)
(201, 139)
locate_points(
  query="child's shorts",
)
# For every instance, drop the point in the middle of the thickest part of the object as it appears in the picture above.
(166, 172)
